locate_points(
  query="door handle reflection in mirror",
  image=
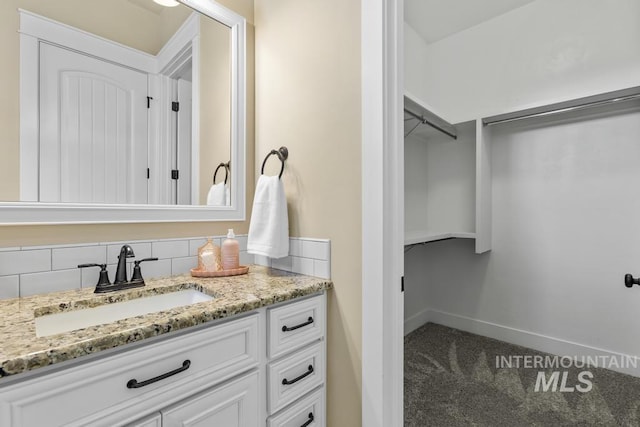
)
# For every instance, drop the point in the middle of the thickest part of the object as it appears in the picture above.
(296, 379)
(301, 325)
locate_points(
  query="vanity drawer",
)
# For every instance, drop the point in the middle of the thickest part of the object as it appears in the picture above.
(99, 392)
(308, 412)
(295, 325)
(295, 375)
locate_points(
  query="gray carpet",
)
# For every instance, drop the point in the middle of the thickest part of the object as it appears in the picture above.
(451, 379)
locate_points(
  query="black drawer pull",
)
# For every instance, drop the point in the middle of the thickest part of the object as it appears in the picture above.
(301, 325)
(309, 421)
(135, 384)
(295, 380)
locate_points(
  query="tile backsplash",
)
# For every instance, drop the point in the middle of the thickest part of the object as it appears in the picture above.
(32, 270)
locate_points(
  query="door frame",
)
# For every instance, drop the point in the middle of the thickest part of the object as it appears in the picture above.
(382, 212)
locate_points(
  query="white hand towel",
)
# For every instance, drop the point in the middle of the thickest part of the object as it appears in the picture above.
(217, 195)
(269, 227)
(227, 191)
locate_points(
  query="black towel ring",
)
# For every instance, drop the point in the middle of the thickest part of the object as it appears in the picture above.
(226, 172)
(282, 153)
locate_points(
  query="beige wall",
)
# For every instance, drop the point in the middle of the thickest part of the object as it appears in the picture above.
(9, 109)
(308, 99)
(118, 20)
(9, 143)
(215, 98)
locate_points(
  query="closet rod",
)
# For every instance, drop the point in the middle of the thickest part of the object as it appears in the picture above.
(426, 117)
(566, 106)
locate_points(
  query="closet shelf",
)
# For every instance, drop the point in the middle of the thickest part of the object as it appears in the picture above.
(416, 237)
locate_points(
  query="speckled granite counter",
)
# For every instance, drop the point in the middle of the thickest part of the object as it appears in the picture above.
(21, 350)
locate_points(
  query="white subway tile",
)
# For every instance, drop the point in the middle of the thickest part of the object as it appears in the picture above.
(66, 258)
(50, 281)
(295, 247)
(170, 249)
(242, 242)
(183, 265)
(262, 260)
(141, 250)
(19, 262)
(316, 249)
(195, 244)
(15, 248)
(246, 258)
(66, 245)
(126, 242)
(89, 276)
(9, 287)
(281, 263)
(313, 239)
(153, 269)
(322, 269)
(302, 265)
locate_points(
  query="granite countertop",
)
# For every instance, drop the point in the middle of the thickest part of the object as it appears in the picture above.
(21, 350)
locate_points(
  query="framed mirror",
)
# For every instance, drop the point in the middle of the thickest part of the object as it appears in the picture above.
(129, 123)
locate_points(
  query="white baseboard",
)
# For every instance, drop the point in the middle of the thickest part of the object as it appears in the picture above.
(520, 337)
(415, 321)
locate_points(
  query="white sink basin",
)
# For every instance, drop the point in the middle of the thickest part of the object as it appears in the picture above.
(52, 324)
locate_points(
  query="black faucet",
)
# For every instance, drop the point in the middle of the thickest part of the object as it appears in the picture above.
(121, 272)
(121, 281)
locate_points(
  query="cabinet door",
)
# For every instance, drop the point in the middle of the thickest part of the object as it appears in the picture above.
(231, 405)
(98, 392)
(307, 412)
(154, 420)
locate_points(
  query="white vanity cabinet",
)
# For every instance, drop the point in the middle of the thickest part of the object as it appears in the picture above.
(154, 420)
(118, 389)
(213, 375)
(296, 370)
(233, 404)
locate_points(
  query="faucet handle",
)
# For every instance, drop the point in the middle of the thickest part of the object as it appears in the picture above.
(137, 271)
(103, 280)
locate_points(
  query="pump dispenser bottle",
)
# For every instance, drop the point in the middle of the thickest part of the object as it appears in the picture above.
(230, 252)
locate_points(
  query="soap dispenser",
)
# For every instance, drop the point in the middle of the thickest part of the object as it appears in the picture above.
(230, 252)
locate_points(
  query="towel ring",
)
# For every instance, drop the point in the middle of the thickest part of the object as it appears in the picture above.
(282, 153)
(226, 172)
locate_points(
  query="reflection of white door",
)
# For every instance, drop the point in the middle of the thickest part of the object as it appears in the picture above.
(183, 148)
(93, 129)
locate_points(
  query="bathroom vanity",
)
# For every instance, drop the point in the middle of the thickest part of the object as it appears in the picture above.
(252, 355)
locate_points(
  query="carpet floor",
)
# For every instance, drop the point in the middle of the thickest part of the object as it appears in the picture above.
(454, 378)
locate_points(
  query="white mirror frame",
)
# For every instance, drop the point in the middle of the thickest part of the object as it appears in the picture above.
(24, 213)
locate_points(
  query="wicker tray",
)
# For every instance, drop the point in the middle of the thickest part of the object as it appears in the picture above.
(243, 269)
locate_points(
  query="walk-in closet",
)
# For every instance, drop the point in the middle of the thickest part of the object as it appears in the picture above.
(521, 146)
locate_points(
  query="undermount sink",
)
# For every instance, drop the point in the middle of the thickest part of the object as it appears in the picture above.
(52, 324)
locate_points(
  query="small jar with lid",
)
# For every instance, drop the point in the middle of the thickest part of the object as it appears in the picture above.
(209, 258)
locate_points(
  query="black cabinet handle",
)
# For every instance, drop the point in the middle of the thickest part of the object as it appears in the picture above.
(133, 383)
(309, 421)
(301, 325)
(296, 379)
(629, 281)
